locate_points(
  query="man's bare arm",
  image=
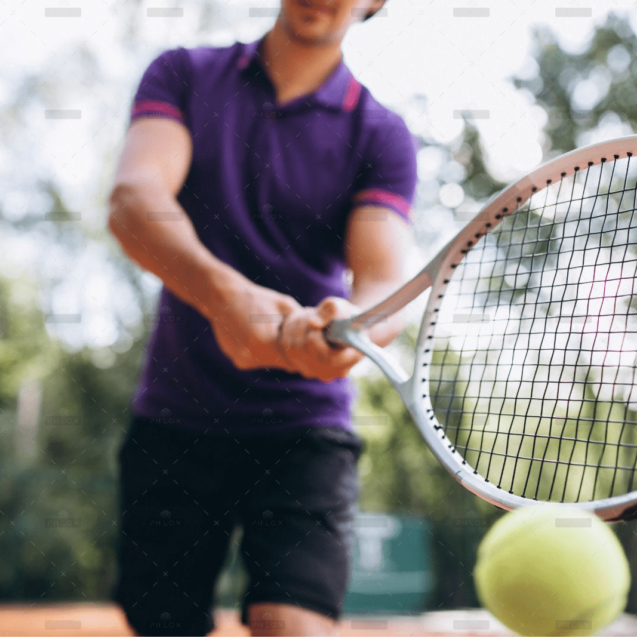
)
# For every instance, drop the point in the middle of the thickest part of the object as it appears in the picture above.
(375, 250)
(155, 231)
(150, 224)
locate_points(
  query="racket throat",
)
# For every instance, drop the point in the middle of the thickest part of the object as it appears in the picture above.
(385, 361)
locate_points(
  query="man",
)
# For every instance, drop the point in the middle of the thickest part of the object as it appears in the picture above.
(253, 177)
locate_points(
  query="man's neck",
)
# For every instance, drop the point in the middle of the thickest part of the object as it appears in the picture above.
(295, 68)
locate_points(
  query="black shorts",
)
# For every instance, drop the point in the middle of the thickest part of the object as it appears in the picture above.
(182, 494)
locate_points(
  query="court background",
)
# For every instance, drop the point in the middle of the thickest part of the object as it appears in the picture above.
(75, 314)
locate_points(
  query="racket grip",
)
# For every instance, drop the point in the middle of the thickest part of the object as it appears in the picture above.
(332, 343)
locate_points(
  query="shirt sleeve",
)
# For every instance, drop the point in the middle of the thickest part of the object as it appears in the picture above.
(389, 172)
(163, 90)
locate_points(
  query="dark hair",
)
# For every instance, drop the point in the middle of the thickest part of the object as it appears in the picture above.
(371, 15)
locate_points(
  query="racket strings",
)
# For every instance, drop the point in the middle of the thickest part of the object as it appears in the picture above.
(535, 350)
(611, 469)
(571, 463)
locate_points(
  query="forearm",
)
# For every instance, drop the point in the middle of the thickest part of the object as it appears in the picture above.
(155, 232)
(365, 295)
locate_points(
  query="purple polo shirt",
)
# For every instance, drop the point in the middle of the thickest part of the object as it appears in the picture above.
(269, 192)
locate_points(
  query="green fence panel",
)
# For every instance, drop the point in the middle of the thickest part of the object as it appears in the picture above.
(393, 567)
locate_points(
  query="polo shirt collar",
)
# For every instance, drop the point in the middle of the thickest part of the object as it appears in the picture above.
(340, 91)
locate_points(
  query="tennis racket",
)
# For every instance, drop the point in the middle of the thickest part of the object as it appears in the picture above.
(524, 375)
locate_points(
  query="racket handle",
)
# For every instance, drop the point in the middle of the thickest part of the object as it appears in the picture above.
(330, 333)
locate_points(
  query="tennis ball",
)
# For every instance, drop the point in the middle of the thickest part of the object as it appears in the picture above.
(552, 569)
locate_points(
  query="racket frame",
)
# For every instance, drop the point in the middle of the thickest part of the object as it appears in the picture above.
(436, 275)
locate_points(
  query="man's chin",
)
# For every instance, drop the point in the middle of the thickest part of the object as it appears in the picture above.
(311, 31)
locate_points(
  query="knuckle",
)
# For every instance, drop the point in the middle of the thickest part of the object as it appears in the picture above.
(243, 361)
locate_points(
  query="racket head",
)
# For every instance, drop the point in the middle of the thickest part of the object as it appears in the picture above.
(473, 390)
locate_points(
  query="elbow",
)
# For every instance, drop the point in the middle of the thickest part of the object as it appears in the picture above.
(112, 221)
(120, 199)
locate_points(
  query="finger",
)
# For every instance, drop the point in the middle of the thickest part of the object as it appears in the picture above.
(321, 349)
(294, 331)
(340, 372)
(331, 359)
(283, 363)
(288, 363)
(299, 329)
(332, 308)
(289, 305)
(327, 354)
(322, 316)
(319, 361)
(292, 343)
(308, 350)
(318, 346)
(343, 372)
(328, 309)
(347, 358)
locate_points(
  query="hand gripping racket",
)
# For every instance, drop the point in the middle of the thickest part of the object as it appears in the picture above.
(524, 375)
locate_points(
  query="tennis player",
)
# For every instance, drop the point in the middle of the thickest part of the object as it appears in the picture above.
(254, 180)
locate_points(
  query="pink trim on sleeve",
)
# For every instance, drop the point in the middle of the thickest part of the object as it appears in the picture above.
(384, 198)
(154, 107)
(352, 94)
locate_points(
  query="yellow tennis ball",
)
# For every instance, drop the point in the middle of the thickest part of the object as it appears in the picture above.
(552, 569)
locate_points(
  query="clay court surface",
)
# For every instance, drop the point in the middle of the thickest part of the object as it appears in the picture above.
(88, 619)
